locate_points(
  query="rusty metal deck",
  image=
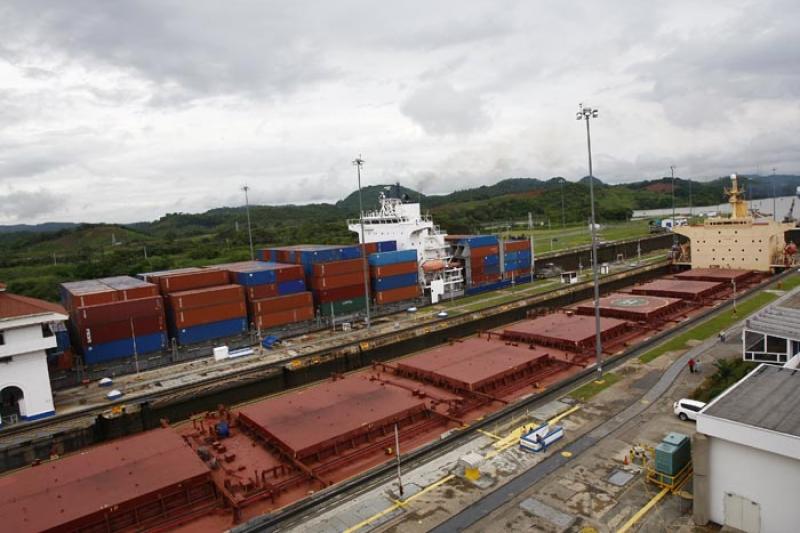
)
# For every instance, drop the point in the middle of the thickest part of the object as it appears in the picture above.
(680, 288)
(636, 307)
(317, 419)
(562, 330)
(135, 482)
(473, 364)
(720, 275)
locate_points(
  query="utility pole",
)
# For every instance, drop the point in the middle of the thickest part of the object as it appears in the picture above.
(245, 188)
(358, 162)
(690, 198)
(397, 451)
(586, 113)
(674, 235)
(774, 201)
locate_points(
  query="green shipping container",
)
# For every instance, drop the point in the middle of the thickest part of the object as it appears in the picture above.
(343, 307)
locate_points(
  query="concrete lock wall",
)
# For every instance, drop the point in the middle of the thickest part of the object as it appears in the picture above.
(700, 480)
(770, 480)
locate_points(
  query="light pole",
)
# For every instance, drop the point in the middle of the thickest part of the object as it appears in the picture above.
(774, 201)
(674, 235)
(690, 200)
(358, 162)
(563, 218)
(245, 188)
(586, 113)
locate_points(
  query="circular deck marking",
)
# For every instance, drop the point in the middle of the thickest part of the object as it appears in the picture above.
(631, 301)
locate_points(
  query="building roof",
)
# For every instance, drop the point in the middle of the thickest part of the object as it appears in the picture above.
(767, 398)
(780, 320)
(16, 306)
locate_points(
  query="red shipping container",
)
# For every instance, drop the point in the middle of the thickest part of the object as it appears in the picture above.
(289, 273)
(137, 293)
(516, 246)
(337, 268)
(483, 251)
(281, 303)
(369, 248)
(193, 280)
(281, 318)
(115, 331)
(344, 293)
(65, 360)
(205, 315)
(409, 267)
(336, 282)
(397, 295)
(259, 292)
(94, 315)
(92, 298)
(205, 297)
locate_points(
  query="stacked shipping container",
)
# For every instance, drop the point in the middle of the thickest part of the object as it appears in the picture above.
(481, 257)
(202, 304)
(517, 259)
(394, 276)
(113, 318)
(276, 292)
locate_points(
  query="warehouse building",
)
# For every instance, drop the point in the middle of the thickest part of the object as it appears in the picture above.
(746, 454)
(27, 330)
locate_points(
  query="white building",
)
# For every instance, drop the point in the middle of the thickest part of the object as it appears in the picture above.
(26, 331)
(746, 454)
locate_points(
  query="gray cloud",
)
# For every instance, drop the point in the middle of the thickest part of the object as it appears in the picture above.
(29, 205)
(440, 109)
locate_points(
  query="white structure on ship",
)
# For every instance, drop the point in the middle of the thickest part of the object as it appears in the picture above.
(402, 221)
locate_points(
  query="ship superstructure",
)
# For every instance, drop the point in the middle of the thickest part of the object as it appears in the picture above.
(401, 220)
(742, 241)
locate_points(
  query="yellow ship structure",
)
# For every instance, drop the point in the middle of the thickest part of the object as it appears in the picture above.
(740, 241)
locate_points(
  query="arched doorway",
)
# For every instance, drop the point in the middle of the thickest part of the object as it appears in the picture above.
(10, 398)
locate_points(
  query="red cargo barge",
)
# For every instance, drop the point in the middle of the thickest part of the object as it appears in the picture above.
(152, 479)
(635, 307)
(678, 288)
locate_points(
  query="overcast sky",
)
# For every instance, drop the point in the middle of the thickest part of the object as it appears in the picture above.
(123, 111)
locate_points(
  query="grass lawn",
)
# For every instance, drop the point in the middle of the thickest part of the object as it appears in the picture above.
(546, 240)
(719, 323)
(588, 390)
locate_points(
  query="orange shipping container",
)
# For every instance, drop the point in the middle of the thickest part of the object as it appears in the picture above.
(337, 268)
(281, 318)
(281, 303)
(259, 292)
(193, 280)
(396, 295)
(222, 294)
(394, 270)
(483, 251)
(516, 246)
(206, 315)
(335, 282)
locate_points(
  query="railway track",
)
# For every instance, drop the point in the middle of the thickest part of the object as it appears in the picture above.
(257, 371)
(330, 497)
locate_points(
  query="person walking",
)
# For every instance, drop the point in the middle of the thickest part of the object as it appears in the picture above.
(691, 365)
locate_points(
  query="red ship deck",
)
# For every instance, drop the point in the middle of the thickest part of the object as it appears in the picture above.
(474, 364)
(132, 483)
(314, 420)
(639, 308)
(720, 275)
(679, 288)
(575, 332)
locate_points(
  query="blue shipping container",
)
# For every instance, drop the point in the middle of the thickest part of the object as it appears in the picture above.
(395, 282)
(260, 277)
(478, 241)
(291, 287)
(108, 351)
(391, 258)
(513, 256)
(350, 252)
(62, 340)
(387, 246)
(488, 287)
(214, 330)
(491, 260)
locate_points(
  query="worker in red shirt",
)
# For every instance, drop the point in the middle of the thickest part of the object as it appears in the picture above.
(692, 365)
